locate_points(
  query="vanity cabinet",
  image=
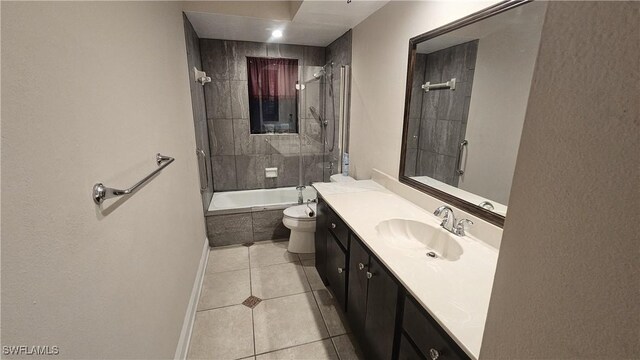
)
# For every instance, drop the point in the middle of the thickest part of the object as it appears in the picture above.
(338, 228)
(380, 318)
(407, 350)
(372, 296)
(321, 239)
(429, 338)
(388, 323)
(357, 291)
(337, 269)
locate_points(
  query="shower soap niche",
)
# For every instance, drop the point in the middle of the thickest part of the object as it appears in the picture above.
(271, 172)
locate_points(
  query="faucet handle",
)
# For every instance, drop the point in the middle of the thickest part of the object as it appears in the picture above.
(462, 226)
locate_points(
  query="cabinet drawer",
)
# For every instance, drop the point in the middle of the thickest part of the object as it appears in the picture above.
(338, 227)
(337, 270)
(430, 339)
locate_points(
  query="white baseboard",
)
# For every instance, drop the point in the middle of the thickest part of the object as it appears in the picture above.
(190, 316)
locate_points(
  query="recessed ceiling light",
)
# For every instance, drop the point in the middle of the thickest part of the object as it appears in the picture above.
(276, 34)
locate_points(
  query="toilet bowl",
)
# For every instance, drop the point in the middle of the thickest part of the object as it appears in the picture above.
(302, 226)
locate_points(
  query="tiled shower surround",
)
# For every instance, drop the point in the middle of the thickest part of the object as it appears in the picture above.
(238, 159)
(438, 119)
(338, 53)
(199, 112)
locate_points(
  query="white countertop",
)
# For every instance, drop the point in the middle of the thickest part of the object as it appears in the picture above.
(455, 293)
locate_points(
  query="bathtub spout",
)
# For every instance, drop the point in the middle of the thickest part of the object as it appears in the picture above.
(300, 196)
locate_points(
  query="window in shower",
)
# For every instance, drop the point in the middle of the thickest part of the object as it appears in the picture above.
(273, 96)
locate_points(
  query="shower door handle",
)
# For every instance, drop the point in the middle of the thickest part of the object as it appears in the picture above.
(461, 147)
(202, 156)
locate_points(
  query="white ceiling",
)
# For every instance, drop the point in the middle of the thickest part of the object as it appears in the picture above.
(522, 17)
(316, 23)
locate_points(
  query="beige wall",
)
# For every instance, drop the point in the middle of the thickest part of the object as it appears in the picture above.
(90, 92)
(501, 84)
(567, 283)
(380, 54)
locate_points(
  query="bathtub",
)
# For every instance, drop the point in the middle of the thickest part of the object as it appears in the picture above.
(246, 216)
(248, 200)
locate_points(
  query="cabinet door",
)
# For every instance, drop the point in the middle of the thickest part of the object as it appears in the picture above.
(357, 294)
(407, 351)
(431, 340)
(337, 269)
(321, 239)
(380, 320)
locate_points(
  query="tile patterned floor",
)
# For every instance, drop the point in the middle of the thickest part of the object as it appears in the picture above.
(297, 318)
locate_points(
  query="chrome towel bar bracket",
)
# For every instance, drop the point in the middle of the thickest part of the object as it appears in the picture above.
(451, 85)
(101, 192)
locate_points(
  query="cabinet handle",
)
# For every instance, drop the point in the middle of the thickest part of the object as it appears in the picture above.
(369, 275)
(434, 354)
(333, 225)
(340, 270)
(361, 266)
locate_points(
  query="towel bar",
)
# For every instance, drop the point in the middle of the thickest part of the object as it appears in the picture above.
(101, 192)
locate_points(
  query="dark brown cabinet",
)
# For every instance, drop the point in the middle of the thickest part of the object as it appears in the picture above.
(380, 320)
(373, 295)
(337, 270)
(388, 324)
(357, 298)
(427, 335)
(407, 351)
(321, 239)
(338, 228)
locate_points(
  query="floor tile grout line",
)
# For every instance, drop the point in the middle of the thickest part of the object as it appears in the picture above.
(293, 346)
(288, 262)
(323, 318)
(219, 307)
(324, 321)
(253, 323)
(283, 296)
(335, 348)
(226, 271)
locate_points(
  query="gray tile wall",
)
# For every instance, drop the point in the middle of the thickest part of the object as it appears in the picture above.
(199, 110)
(338, 52)
(245, 227)
(238, 159)
(438, 119)
(415, 113)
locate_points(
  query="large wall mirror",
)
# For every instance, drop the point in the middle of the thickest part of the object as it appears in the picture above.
(467, 91)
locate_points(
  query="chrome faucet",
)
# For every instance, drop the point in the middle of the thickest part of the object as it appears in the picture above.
(448, 219)
(449, 222)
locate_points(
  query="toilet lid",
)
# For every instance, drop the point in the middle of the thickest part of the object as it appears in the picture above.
(299, 211)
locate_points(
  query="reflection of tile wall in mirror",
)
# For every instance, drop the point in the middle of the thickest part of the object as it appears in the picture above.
(437, 122)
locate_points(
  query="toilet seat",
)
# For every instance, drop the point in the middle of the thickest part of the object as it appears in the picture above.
(298, 212)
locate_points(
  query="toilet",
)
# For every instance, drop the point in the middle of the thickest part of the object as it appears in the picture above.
(302, 226)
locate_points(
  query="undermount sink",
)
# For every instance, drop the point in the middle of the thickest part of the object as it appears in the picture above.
(417, 236)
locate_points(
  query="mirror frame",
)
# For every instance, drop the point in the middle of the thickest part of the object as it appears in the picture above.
(464, 205)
